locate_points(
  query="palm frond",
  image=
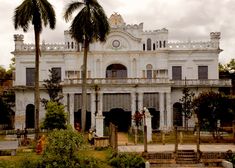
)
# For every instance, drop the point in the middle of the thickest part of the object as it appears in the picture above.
(23, 15)
(47, 13)
(70, 8)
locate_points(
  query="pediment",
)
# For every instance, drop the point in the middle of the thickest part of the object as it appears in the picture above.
(121, 40)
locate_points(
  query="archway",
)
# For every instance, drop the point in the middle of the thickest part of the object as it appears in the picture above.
(116, 71)
(77, 119)
(155, 118)
(177, 114)
(30, 116)
(119, 117)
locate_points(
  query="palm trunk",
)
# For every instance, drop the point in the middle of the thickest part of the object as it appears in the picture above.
(84, 87)
(36, 93)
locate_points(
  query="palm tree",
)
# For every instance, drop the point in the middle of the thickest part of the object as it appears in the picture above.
(90, 24)
(38, 12)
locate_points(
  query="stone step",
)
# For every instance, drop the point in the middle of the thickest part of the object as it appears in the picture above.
(177, 165)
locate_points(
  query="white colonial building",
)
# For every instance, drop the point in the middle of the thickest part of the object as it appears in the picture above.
(133, 69)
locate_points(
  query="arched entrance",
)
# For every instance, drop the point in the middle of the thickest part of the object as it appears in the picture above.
(30, 116)
(155, 118)
(119, 117)
(77, 119)
(177, 114)
(116, 71)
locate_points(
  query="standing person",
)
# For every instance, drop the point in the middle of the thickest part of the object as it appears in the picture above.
(18, 136)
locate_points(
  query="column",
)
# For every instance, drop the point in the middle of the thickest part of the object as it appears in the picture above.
(161, 108)
(71, 109)
(140, 101)
(93, 110)
(169, 111)
(148, 119)
(66, 105)
(99, 119)
(133, 106)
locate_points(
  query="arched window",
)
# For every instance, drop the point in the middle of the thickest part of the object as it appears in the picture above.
(72, 45)
(149, 44)
(143, 47)
(164, 44)
(116, 71)
(153, 46)
(29, 117)
(68, 45)
(160, 44)
(149, 68)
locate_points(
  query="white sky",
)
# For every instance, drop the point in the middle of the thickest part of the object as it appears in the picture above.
(185, 19)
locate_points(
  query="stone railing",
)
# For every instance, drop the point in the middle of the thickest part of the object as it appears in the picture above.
(118, 81)
(209, 82)
(181, 45)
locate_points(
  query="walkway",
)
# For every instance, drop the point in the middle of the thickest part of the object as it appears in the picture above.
(171, 148)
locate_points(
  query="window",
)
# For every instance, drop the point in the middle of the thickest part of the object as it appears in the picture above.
(160, 44)
(202, 72)
(149, 44)
(30, 76)
(153, 46)
(176, 72)
(149, 68)
(72, 45)
(143, 47)
(68, 45)
(57, 71)
(164, 44)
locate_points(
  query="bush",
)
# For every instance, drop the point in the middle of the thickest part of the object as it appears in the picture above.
(61, 148)
(129, 160)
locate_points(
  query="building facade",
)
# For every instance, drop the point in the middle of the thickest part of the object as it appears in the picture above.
(133, 69)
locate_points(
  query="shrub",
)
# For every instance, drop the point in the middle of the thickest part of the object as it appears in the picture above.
(61, 149)
(129, 160)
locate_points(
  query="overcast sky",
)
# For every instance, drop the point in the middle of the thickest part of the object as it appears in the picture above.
(185, 19)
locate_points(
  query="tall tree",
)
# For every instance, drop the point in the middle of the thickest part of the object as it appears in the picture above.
(53, 88)
(37, 12)
(90, 24)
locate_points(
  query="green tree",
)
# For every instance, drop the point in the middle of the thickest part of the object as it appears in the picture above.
(90, 24)
(61, 149)
(187, 105)
(53, 87)
(211, 107)
(55, 116)
(36, 12)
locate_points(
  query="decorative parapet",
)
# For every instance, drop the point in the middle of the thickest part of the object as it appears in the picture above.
(47, 47)
(185, 45)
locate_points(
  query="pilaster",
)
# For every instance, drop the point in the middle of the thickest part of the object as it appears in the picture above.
(93, 110)
(161, 107)
(71, 109)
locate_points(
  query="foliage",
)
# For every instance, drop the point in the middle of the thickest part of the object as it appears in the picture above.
(211, 107)
(123, 160)
(61, 149)
(7, 101)
(53, 87)
(229, 67)
(55, 116)
(187, 104)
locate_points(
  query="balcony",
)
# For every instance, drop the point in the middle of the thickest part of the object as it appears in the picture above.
(113, 81)
(202, 83)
